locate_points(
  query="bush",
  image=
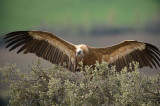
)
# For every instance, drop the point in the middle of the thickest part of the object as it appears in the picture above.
(102, 85)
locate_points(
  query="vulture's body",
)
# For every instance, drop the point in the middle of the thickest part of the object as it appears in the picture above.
(58, 51)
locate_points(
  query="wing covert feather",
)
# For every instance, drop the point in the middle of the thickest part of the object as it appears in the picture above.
(127, 51)
(43, 44)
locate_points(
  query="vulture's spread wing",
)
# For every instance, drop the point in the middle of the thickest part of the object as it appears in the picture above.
(43, 44)
(124, 53)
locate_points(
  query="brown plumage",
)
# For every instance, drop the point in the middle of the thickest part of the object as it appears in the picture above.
(54, 49)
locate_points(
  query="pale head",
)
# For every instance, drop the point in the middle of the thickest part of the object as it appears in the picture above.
(81, 50)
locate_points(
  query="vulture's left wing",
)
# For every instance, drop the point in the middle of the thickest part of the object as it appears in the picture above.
(45, 45)
(124, 53)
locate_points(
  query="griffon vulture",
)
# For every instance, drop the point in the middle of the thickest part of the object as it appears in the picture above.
(56, 50)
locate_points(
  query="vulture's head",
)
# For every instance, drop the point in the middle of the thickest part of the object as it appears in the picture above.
(81, 50)
(79, 53)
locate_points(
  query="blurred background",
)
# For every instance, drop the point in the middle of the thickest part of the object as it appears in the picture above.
(97, 23)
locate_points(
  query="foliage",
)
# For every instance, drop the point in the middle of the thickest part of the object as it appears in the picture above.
(53, 14)
(102, 85)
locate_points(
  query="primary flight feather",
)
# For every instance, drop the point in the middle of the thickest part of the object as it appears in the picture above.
(56, 50)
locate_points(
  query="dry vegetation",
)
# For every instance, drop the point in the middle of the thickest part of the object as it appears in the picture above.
(55, 85)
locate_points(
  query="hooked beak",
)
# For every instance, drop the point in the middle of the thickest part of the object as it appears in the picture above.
(78, 53)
